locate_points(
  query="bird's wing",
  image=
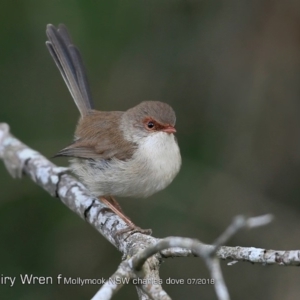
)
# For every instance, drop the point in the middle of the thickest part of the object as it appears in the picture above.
(98, 136)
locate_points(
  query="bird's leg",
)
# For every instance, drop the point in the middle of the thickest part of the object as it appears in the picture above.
(115, 203)
(114, 206)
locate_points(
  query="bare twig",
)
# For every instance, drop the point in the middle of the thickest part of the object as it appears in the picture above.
(148, 287)
(196, 247)
(203, 250)
(213, 265)
(143, 252)
(240, 222)
(115, 282)
(261, 256)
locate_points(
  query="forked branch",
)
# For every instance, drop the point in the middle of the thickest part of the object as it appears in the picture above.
(143, 253)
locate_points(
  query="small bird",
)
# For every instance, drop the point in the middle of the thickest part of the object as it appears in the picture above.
(114, 153)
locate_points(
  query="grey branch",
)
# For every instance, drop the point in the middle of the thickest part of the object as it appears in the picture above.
(115, 282)
(205, 251)
(142, 252)
(240, 222)
(261, 256)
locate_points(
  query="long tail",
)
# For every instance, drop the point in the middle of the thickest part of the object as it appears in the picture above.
(69, 62)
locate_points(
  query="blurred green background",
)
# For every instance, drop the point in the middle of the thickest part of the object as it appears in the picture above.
(231, 71)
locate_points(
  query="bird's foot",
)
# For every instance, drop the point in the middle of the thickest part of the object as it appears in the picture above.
(114, 206)
(131, 229)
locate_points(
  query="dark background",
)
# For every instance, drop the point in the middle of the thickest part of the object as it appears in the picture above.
(231, 71)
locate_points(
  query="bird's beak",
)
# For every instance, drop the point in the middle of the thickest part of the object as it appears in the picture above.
(169, 129)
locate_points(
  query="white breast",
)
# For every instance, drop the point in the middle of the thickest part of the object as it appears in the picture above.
(159, 157)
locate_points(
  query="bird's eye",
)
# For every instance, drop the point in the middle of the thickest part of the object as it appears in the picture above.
(150, 124)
